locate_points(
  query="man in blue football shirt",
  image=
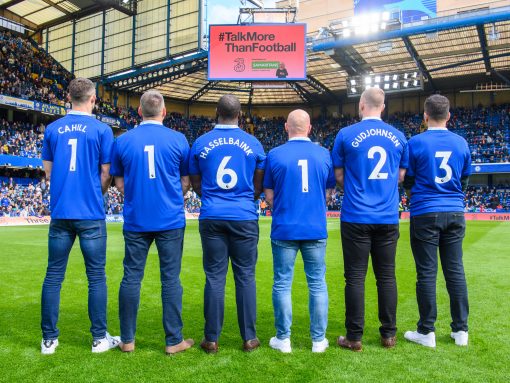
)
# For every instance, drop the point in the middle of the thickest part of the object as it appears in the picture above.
(296, 178)
(76, 157)
(150, 165)
(227, 170)
(439, 169)
(370, 159)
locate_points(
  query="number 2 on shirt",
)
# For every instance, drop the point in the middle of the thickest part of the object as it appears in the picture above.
(376, 173)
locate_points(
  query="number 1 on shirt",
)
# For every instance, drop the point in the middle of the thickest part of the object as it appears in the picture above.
(150, 153)
(73, 142)
(304, 175)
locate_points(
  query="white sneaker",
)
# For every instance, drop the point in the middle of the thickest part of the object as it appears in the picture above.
(282, 345)
(320, 346)
(461, 338)
(105, 344)
(428, 340)
(48, 346)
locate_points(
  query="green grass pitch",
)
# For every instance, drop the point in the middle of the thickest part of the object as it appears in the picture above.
(22, 266)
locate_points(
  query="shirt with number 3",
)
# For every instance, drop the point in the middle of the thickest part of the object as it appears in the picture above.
(438, 159)
(226, 158)
(77, 145)
(371, 153)
(152, 159)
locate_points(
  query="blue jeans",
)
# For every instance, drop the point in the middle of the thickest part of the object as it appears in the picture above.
(62, 234)
(137, 244)
(284, 257)
(443, 231)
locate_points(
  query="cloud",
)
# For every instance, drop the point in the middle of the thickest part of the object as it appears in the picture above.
(220, 14)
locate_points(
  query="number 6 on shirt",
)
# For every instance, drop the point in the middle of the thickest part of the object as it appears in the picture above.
(224, 171)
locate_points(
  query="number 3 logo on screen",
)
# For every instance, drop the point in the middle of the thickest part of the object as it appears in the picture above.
(239, 67)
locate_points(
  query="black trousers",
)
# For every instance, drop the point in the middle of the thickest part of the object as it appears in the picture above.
(237, 241)
(443, 231)
(359, 241)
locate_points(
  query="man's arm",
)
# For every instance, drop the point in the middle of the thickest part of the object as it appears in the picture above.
(48, 165)
(196, 183)
(408, 184)
(106, 178)
(339, 176)
(258, 180)
(269, 195)
(119, 183)
(464, 182)
(185, 184)
(401, 176)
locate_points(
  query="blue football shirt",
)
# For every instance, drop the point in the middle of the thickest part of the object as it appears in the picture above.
(226, 158)
(438, 159)
(77, 144)
(371, 153)
(152, 159)
(299, 172)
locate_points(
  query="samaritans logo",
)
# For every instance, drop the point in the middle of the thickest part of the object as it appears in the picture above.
(262, 65)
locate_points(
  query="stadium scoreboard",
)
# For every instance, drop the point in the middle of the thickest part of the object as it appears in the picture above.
(257, 52)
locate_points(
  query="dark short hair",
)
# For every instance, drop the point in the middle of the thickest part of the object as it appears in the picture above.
(437, 107)
(229, 107)
(80, 90)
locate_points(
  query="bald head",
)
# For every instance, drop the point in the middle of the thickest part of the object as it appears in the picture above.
(371, 102)
(298, 123)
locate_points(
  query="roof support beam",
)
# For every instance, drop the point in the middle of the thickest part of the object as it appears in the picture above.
(449, 66)
(505, 79)
(56, 6)
(321, 88)
(199, 93)
(418, 61)
(302, 92)
(10, 4)
(483, 43)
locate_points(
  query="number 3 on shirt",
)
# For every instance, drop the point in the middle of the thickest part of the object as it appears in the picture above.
(224, 171)
(444, 165)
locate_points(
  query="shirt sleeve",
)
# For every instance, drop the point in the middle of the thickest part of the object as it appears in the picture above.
(47, 153)
(193, 165)
(184, 166)
(116, 167)
(404, 160)
(411, 165)
(106, 146)
(466, 170)
(261, 156)
(331, 182)
(337, 155)
(268, 174)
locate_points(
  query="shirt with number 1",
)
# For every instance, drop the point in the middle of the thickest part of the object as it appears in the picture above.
(371, 153)
(152, 159)
(226, 158)
(77, 145)
(438, 159)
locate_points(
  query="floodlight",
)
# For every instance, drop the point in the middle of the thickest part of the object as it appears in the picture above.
(386, 16)
(353, 90)
(355, 21)
(406, 84)
(415, 82)
(377, 79)
(387, 77)
(374, 28)
(395, 85)
(347, 32)
(376, 86)
(368, 80)
(415, 74)
(353, 82)
(395, 77)
(367, 87)
(383, 26)
(345, 23)
(386, 86)
(406, 75)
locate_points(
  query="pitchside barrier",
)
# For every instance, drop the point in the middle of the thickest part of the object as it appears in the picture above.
(31, 221)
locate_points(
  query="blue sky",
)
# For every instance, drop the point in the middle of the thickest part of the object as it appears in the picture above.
(227, 11)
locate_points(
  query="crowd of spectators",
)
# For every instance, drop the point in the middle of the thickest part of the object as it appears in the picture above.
(21, 139)
(482, 199)
(17, 200)
(29, 72)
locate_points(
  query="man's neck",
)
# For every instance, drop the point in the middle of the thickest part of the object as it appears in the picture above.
(82, 109)
(297, 136)
(371, 116)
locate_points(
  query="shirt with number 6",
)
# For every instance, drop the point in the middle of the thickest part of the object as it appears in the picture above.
(152, 159)
(77, 145)
(438, 159)
(227, 158)
(371, 153)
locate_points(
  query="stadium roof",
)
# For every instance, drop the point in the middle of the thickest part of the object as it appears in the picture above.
(452, 52)
(39, 14)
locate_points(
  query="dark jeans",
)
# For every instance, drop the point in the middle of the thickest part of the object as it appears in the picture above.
(137, 244)
(236, 240)
(61, 237)
(446, 232)
(359, 241)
